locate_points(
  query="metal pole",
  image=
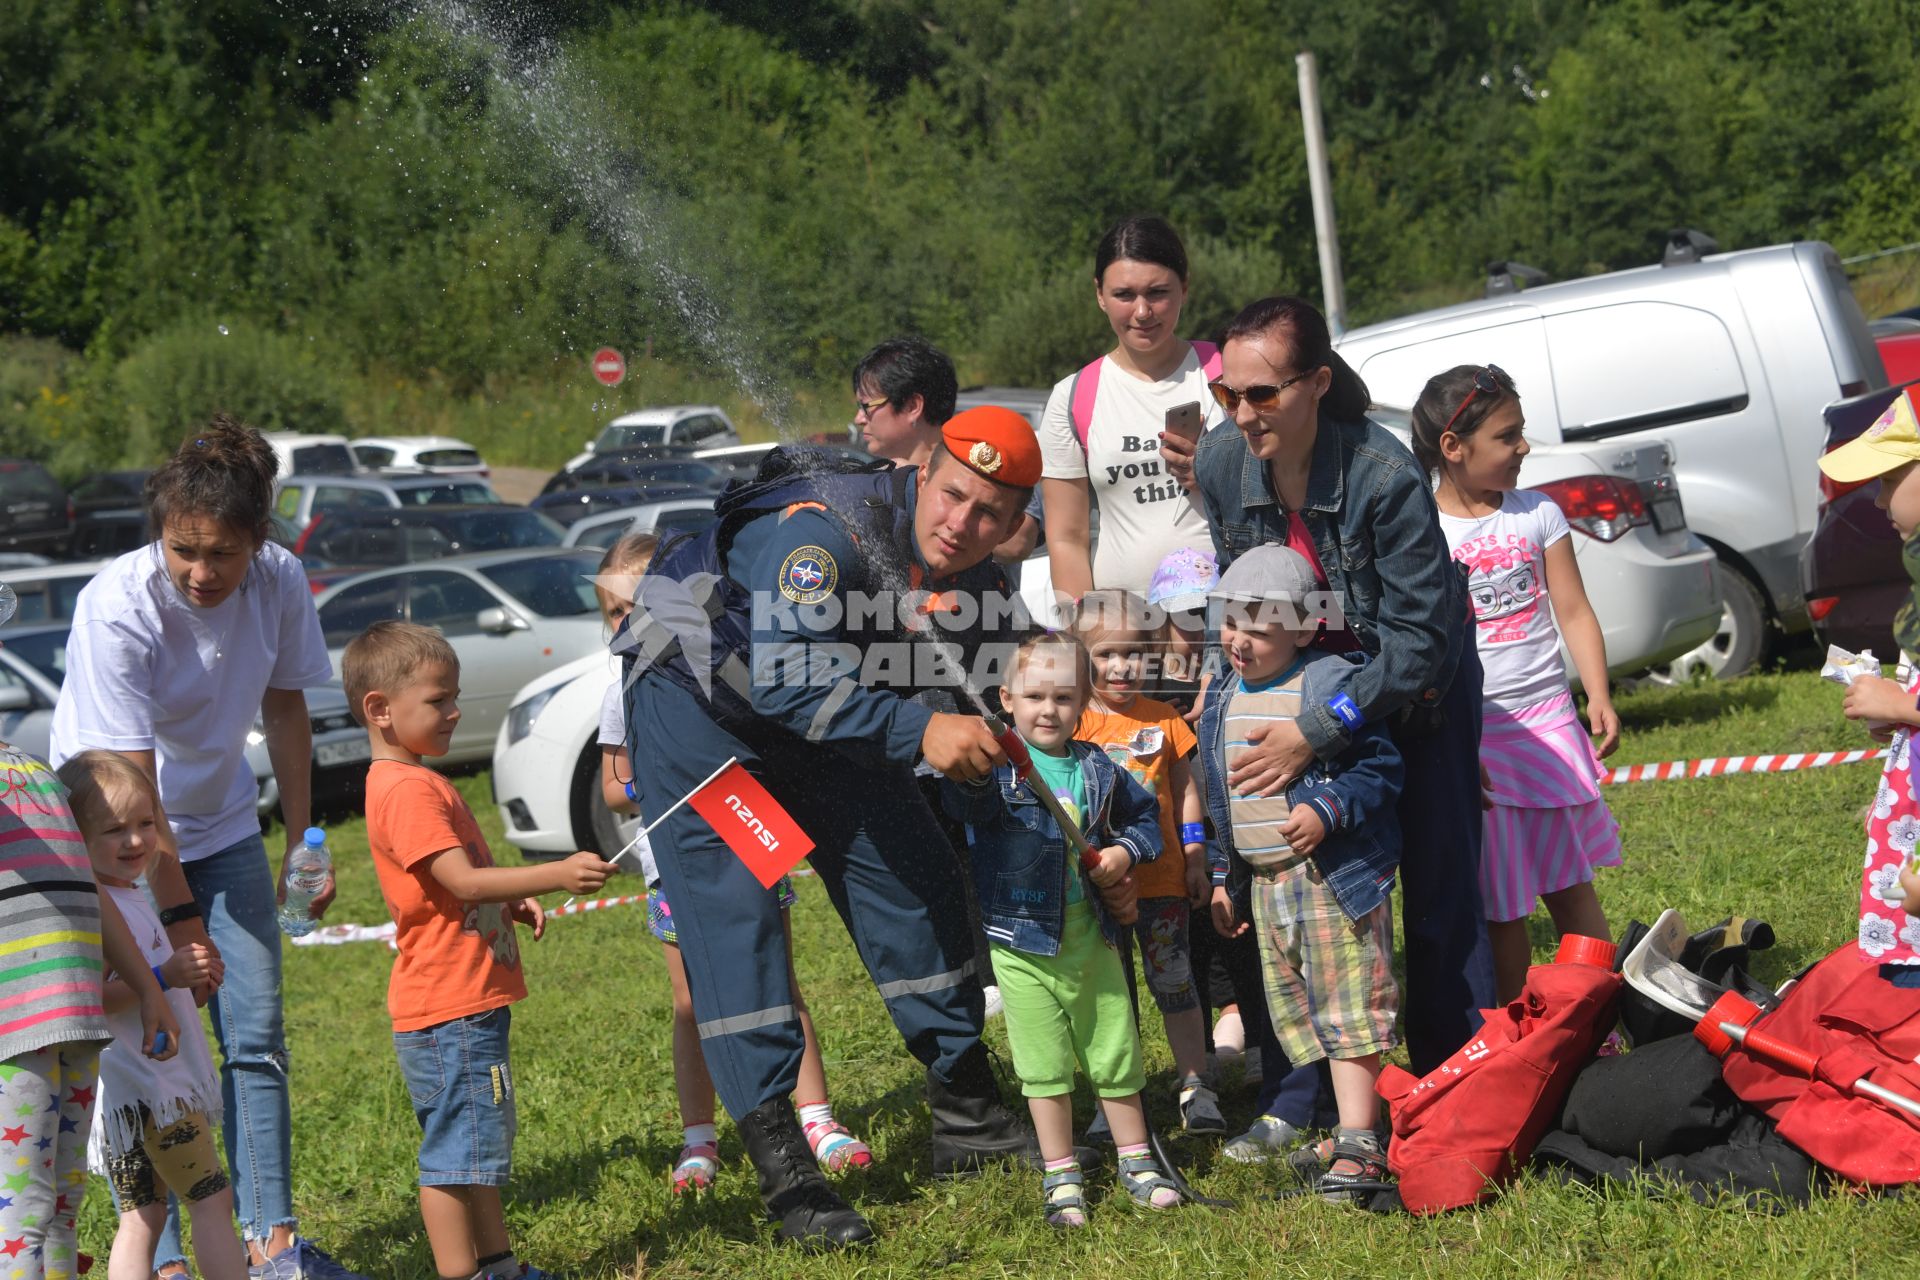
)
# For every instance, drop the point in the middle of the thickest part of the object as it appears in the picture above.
(1333, 286)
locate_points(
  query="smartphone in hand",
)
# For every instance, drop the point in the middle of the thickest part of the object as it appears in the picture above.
(1186, 420)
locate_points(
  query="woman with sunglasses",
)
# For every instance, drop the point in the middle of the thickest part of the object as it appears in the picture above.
(1100, 435)
(1307, 469)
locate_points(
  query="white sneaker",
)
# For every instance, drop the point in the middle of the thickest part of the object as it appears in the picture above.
(1266, 1139)
(1229, 1035)
(995, 1005)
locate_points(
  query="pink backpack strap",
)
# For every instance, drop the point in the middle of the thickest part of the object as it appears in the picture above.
(1080, 398)
(1086, 386)
(1209, 359)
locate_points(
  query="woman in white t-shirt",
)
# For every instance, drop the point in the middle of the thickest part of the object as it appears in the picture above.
(1100, 435)
(1547, 829)
(175, 648)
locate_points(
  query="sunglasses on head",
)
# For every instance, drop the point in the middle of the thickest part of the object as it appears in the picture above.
(1493, 380)
(1262, 396)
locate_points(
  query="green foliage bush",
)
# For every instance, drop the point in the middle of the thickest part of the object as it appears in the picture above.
(185, 373)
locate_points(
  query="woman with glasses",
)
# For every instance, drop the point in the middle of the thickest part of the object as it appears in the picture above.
(1307, 469)
(1100, 435)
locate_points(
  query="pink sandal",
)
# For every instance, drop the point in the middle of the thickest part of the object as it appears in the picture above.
(696, 1168)
(835, 1148)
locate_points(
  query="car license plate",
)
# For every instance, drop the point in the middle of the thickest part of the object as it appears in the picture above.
(327, 754)
(1668, 516)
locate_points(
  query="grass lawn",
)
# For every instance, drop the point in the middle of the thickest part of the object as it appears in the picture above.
(598, 1126)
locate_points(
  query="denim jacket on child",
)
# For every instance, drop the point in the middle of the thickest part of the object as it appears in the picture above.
(1356, 793)
(1020, 860)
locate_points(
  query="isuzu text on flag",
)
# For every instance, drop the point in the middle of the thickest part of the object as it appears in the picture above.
(752, 823)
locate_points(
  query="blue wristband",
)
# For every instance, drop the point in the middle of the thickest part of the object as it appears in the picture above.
(160, 978)
(1343, 706)
(1193, 833)
(630, 795)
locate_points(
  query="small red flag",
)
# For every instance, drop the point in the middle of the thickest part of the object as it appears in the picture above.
(752, 823)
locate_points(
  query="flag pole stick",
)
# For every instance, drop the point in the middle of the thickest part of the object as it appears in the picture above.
(641, 834)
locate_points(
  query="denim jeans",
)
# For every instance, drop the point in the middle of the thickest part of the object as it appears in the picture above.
(461, 1085)
(235, 890)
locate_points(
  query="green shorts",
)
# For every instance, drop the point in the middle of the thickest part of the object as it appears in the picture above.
(1070, 1010)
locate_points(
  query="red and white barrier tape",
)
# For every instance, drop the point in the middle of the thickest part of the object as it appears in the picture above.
(1722, 766)
(333, 935)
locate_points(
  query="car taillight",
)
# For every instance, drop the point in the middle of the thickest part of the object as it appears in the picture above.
(1831, 490)
(1603, 507)
(300, 543)
(1820, 608)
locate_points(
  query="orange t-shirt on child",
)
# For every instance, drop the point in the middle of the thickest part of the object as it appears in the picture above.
(456, 958)
(1145, 740)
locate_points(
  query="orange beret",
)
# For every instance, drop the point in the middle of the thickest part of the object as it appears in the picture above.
(996, 443)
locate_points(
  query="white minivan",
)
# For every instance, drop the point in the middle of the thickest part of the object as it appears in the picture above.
(1728, 358)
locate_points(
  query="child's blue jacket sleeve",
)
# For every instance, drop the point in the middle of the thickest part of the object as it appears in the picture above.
(1367, 784)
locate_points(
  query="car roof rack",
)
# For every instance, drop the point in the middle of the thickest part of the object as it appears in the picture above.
(1685, 245)
(1504, 277)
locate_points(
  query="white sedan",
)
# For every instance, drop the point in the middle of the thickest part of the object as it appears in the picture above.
(510, 616)
(546, 763)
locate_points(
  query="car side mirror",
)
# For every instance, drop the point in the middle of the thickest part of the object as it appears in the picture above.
(15, 697)
(499, 622)
(589, 446)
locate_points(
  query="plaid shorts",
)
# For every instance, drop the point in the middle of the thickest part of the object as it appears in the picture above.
(1329, 980)
(660, 914)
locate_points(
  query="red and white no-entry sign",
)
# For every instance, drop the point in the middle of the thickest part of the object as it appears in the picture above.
(609, 366)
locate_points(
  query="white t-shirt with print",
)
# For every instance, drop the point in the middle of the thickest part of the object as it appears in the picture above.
(147, 671)
(1144, 513)
(1506, 558)
(613, 733)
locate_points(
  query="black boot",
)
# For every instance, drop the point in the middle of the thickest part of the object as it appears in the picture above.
(810, 1211)
(971, 1127)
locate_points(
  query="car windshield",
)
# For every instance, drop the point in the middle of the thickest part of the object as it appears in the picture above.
(625, 436)
(692, 518)
(498, 530)
(551, 586)
(25, 482)
(700, 473)
(44, 651)
(447, 458)
(322, 460)
(452, 493)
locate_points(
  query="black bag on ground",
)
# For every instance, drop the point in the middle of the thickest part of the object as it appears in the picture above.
(1720, 954)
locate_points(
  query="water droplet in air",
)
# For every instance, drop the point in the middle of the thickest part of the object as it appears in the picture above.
(222, 328)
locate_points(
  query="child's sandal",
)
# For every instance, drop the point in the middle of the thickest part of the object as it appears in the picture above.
(1065, 1196)
(696, 1168)
(834, 1148)
(1355, 1170)
(1148, 1183)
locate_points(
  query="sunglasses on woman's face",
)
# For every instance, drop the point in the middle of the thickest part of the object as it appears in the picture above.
(1262, 396)
(1491, 380)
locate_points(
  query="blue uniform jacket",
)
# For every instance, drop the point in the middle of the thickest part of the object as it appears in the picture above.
(1356, 794)
(1376, 530)
(828, 667)
(1020, 860)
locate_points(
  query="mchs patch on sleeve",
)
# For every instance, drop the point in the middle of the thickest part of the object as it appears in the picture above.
(809, 575)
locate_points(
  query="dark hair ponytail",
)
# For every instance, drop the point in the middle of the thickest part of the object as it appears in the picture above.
(1440, 402)
(1141, 238)
(225, 472)
(1299, 324)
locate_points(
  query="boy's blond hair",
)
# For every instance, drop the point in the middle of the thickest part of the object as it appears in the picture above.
(88, 776)
(1061, 640)
(389, 656)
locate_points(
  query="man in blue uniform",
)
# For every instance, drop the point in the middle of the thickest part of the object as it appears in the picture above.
(792, 635)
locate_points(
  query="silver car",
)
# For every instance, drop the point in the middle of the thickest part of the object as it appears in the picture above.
(510, 615)
(670, 515)
(300, 498)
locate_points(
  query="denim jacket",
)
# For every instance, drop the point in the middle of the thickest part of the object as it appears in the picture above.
(1377, 532)
(1020, 861)
(1356, 794)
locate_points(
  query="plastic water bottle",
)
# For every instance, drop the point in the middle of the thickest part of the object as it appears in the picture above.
(307, 869)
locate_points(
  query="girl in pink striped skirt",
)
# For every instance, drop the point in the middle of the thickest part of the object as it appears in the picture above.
(1547, 828)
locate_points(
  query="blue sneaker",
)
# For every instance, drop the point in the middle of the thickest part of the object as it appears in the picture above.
(303, 1260)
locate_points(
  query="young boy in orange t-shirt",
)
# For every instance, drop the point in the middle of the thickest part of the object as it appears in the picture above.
(459, 964)
(1153, 742)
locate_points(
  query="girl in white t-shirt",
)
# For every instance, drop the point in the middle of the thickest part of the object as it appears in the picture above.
(1100, 435)
(699, 1160)
(1548, 827)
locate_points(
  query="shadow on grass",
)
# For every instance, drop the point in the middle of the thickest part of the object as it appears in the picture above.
(1695, 704)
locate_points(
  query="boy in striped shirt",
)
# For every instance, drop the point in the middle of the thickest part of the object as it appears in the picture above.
(1320, 854)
